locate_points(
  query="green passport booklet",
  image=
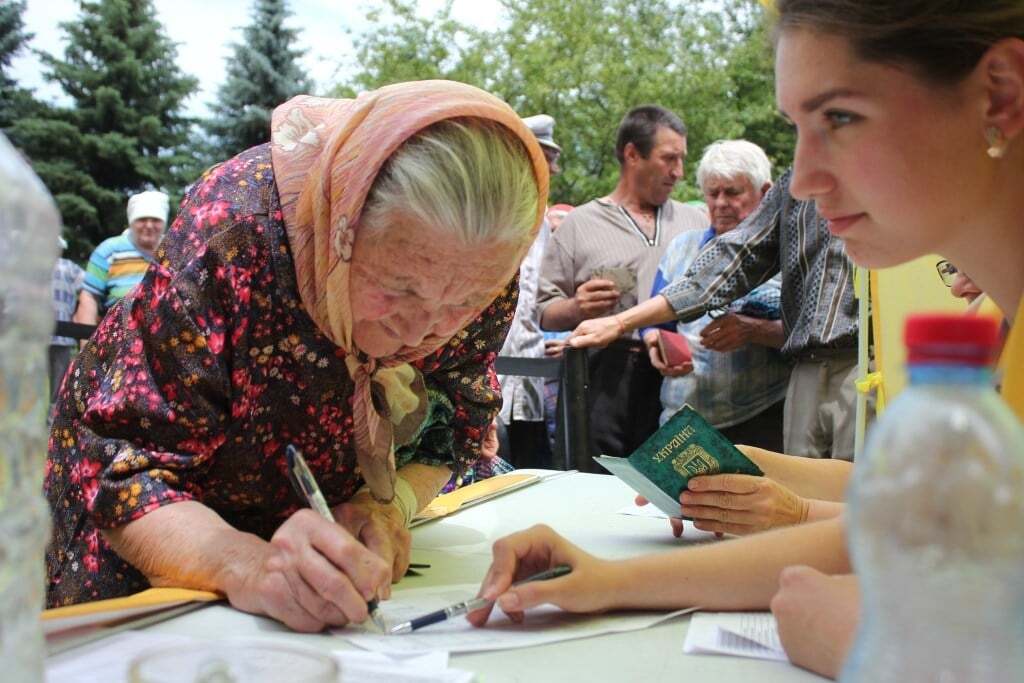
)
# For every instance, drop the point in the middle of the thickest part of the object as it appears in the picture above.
(685, 446)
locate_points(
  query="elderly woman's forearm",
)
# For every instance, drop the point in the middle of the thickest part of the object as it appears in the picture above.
(426, 481)
(187, 545)
(733, 575)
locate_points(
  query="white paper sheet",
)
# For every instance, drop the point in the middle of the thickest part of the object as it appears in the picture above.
(371, 667)
(107, 661)
(741, 634)
(648, 510)
(543, 625)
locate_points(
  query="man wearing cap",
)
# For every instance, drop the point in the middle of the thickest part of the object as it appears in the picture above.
(522, 408)
(603, 259)
(119, 263)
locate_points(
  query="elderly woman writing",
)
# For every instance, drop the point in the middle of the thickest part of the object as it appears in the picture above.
(344, 289)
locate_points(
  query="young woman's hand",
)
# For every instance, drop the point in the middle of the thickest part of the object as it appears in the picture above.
(587, 588)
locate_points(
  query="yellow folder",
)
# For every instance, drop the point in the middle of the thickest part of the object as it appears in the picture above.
(101, 612)
(475, 493)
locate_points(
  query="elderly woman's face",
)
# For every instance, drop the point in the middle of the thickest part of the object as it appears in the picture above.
(413, 285)
(730, 200)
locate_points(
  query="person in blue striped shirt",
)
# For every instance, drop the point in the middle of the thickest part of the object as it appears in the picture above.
(119, 262)
(738, 378)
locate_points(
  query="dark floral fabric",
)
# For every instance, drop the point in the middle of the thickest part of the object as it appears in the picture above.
(194, 383)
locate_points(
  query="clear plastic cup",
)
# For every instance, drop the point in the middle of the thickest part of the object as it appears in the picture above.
(234, 662)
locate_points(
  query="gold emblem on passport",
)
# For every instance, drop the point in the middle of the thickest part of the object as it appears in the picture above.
(694, 461)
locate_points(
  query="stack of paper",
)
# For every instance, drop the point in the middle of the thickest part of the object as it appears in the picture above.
(740, 634)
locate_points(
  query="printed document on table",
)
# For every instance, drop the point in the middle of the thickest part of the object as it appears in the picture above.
(740, 634)
(546, 624)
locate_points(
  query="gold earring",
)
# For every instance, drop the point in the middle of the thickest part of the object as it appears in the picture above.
(996, 142)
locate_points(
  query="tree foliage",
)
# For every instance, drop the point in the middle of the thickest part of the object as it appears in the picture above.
(587, 62)
(14, 101)
(125, 131)
(262, 73)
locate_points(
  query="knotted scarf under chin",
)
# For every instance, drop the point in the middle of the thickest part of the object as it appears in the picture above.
(388, 406)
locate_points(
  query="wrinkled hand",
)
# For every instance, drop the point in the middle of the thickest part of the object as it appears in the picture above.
(553, 348)
(817, 616)
(728, 333)
(596, 298)
(599, 332)
(489, 446)
(654, 352)
(741, 504)
(522, 554)
(381, 528)
(311, 575)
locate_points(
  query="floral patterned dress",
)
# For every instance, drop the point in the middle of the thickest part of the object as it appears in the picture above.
(194, 383)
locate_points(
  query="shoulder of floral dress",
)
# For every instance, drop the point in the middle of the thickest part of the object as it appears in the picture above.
(234, 196)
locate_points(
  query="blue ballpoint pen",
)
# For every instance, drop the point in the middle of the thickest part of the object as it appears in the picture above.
(466, 606)
(306, 486)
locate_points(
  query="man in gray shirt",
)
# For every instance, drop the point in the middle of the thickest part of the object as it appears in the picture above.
(819, 312)
(603, 259)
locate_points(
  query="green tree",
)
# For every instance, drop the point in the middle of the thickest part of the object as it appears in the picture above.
(262, 73)
(14, 101)
(587, 62)
(404, 46)
(125, 131)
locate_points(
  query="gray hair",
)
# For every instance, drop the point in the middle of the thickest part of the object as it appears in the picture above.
(471, 176)
(731, 158)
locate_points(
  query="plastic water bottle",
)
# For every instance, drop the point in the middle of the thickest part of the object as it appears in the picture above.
(29, 224)
(936, 519)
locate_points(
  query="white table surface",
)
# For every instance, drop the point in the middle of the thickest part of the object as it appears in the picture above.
(582, 507)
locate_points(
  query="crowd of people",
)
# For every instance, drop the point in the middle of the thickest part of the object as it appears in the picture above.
(346, 288)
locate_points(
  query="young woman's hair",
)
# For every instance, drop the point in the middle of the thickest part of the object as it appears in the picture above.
(726, 159)
(942, 40)
(470, 176)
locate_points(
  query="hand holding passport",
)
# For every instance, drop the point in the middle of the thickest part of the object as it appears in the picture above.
(684, 447)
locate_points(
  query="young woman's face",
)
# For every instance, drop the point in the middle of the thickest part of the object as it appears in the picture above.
(884, 154)
(413, 286)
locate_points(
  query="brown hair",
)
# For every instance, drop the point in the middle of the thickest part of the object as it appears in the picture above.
(942, 40)
(640, 126)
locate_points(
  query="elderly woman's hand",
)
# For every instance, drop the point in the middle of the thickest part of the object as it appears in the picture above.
(741, 504)
(381, 527)
(311, 575)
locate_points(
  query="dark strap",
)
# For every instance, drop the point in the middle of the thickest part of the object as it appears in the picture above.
(73, 330)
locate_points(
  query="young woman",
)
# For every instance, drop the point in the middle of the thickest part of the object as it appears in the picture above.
(910, 120)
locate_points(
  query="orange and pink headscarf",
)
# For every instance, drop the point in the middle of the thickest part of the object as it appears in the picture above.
(326, 155)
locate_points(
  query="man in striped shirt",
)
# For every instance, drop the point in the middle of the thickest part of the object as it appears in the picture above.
(819, 312)
(119, 263)
(603, 259)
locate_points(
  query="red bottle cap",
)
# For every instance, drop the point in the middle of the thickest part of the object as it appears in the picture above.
(951, 338)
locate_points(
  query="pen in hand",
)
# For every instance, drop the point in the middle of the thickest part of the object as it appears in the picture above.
(307, 488)
(466, 606)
